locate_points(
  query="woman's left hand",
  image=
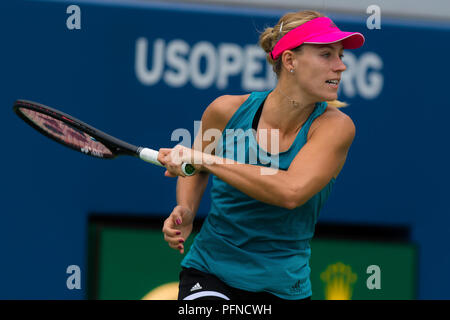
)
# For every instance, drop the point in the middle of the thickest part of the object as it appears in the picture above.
(173, 158)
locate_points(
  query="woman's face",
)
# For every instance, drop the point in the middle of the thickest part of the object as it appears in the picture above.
(318, 70)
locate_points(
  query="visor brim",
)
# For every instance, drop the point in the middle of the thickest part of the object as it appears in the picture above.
(350, 40)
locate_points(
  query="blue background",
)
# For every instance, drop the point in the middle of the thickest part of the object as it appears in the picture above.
(396, 173)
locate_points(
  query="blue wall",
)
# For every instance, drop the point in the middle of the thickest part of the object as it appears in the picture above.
(396, 173)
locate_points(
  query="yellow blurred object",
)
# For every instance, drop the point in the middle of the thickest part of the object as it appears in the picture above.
(168, 291)
(339, 280)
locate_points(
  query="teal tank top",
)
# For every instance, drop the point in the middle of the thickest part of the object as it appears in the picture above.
(248, 244)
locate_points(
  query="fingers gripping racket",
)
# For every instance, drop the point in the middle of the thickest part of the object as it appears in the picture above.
(82, 137)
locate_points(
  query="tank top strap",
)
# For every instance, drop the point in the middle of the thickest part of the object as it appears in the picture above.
(318, 110)
(243, 117)
(301, 138)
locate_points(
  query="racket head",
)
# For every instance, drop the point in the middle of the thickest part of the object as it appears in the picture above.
(70, 131)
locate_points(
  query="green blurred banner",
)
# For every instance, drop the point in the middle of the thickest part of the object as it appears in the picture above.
(344, 269)
(136, 263)
(128, 263)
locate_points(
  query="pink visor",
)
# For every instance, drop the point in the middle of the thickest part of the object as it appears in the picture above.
(317, 31)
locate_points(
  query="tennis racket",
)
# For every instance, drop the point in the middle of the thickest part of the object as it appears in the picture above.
(82, 137)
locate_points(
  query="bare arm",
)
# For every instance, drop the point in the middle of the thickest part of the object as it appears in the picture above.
(190, 189)
(314, 166)
(310, 171)
(178, 226)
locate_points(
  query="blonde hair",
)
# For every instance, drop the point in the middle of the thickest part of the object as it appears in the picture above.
(270, 36)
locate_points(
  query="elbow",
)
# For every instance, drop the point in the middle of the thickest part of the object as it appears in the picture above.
(293, 203)
(293, 198)
(290, 205)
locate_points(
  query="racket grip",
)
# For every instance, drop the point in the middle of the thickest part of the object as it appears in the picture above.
(150, 155)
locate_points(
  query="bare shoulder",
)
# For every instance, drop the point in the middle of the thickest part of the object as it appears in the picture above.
(336, 122)
(220, 111)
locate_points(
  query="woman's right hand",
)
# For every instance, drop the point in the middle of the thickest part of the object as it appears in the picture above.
(177, 227)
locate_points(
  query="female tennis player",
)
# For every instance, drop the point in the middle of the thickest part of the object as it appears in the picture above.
(255, 241)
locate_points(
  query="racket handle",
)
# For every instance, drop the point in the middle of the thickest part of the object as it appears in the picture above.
(150, 155)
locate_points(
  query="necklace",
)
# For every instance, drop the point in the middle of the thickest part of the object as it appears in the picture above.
(292, 101)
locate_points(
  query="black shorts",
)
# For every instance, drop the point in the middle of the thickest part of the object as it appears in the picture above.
(198, 285)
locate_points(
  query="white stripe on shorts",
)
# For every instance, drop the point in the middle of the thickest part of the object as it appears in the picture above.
(206, 294)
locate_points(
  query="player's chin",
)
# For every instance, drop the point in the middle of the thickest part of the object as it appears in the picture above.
(329, 95)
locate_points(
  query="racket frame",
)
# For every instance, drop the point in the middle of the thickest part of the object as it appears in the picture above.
(115, 145)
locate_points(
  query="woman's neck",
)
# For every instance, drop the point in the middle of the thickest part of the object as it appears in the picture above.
(286, 110)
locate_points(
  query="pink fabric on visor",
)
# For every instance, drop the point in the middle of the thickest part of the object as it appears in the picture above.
(320, 30)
